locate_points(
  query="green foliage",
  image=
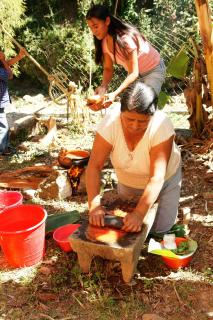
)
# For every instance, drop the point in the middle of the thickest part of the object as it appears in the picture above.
(59, 47)
(45, 12)
(12, 16)
(83, 7)
(168, 24)
(176, 13)
(56, 34)
(58, 40)
(128, 11)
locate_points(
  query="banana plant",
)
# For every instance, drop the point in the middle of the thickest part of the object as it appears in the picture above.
(177, 68)
(197, 91)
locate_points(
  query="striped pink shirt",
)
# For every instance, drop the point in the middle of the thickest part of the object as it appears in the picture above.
(148, 56)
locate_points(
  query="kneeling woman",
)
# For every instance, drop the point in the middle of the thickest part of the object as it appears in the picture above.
(147, 162)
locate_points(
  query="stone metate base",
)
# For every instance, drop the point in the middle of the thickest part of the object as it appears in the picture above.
(126, 250)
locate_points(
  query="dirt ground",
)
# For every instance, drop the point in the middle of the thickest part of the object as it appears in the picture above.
(56, 289)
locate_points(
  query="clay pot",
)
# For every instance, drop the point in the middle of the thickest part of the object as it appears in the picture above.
(67, 158)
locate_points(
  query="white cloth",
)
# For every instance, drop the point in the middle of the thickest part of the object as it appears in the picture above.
(133, 168)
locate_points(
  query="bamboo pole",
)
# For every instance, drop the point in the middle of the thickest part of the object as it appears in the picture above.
(204, 18)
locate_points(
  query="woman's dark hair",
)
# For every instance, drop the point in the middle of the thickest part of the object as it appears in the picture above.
(139, 97)
(116, 29)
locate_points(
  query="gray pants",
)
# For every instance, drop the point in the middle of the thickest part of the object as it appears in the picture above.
(168, 201)
(155, 77)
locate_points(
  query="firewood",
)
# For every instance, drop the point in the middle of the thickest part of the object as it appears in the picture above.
(41, 169)
(25, 178)
(50, 137)
(19, 183)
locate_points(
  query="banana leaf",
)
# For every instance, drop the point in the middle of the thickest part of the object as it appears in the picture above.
(178, 65)
(163, 98)
(54, 221)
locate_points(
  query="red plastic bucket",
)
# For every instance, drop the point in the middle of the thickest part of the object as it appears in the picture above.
(9, 199)
(22, 234)
(61, 236)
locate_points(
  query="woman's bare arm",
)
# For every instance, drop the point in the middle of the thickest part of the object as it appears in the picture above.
(107, 75)
(100, 151)
(133, 72)
(22, 53)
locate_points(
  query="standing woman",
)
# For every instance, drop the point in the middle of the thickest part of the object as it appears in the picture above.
(5, 75)
(119, 42)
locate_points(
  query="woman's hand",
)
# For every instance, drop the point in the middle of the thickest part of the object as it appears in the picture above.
(22, 52)
(107, 101)
(101, 90)
(109, 98)
(133, 222)
(96, 216)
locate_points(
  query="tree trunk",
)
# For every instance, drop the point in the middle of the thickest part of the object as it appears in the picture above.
(204, 17)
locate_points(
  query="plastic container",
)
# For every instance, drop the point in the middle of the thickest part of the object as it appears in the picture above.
(182, 260)
(22, 234)
(169, 241)
(9, 199)
(61, 236)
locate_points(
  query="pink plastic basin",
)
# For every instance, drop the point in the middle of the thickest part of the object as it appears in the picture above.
(9, 199)
(62, 234)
